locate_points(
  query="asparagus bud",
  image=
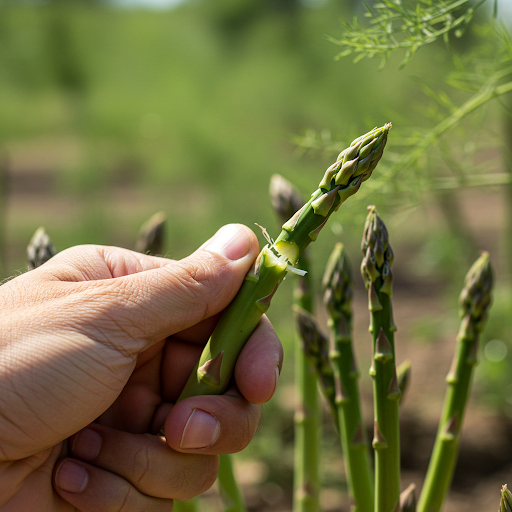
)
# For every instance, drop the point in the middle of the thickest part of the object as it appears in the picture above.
(378, 278)
(316, 347)
(506, 500)
(40, 249)
(285, 197)
(242, 316)
(151, 235)
(474, 303)
(337, 284)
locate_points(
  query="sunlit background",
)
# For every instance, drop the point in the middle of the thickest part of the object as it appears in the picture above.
(112, 111)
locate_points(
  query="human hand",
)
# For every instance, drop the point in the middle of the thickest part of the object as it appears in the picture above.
(98, 342)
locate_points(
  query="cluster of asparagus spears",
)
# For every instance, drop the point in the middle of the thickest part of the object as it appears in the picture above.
(378, 489)
(372, 489)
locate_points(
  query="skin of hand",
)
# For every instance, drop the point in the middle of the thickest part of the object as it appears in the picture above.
(95, 347)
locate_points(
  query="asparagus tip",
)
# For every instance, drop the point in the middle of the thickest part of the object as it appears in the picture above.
(506, 500)
(40, 249)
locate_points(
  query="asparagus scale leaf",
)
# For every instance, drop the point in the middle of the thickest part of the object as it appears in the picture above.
(341, 180)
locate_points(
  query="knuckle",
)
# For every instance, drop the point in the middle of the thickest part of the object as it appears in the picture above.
(125, 500)
(141, 463)
(195, 478)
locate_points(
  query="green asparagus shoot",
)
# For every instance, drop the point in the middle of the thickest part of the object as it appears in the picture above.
(337, 284)
(341, 180)
(474, 303)
(151, 235)
(506, 500)
(378, 278)
(40, 249)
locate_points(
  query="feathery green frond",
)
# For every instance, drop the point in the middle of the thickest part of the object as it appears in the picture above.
(404, 25)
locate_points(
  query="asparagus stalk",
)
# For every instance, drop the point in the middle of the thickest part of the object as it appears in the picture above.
(376, 270)
(506, 500)
(341, 180)
(230, 491)
(40, 249)
(338, 293)
(286, 201)
(185, 506)
(474, 303)
(151, 235)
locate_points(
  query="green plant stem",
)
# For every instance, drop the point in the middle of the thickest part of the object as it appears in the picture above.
(306, 476)
(338, 298)
(229, 489)
(386, 440)
(186, 506)
(376, 270)
(475, 301)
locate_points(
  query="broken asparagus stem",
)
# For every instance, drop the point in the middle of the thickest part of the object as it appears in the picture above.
(341, 180)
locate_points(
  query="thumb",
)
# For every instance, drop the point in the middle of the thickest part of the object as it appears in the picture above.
(162, 301)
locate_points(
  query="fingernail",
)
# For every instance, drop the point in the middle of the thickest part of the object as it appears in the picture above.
(231, 241)
(202, 430)
(86, 444)
(71, 477)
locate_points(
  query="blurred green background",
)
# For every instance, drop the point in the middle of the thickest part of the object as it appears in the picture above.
(109, 114)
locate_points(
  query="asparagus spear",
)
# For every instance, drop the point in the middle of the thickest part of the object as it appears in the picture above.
(341, 180)
(376, 270)
(474, 303)
(40, 249)
(338, 293)
(506, 500)
(151, 235)
(286, 201)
